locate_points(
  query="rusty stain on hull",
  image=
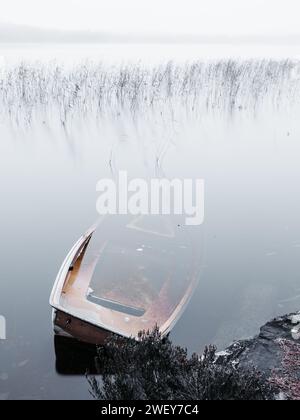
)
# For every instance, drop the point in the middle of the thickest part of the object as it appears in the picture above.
(68, 325)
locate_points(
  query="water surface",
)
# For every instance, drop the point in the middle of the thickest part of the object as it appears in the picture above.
(249, 242)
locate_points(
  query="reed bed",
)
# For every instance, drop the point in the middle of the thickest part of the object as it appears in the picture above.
(36, 92)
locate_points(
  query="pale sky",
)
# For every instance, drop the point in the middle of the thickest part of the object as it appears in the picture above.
(234, 17)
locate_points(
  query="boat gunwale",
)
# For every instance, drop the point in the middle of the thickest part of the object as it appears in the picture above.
(65, 268)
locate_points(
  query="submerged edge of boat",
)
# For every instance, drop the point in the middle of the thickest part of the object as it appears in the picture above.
(80, 325)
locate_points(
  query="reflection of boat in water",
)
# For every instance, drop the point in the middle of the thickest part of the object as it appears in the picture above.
(74, 357)
(124, 276)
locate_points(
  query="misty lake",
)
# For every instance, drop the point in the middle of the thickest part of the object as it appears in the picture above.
(233, 123)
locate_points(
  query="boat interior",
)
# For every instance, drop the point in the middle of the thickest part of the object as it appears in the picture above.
(127, 278)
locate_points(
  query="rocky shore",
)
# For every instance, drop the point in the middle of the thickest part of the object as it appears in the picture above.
(266, 367)
(275, 353)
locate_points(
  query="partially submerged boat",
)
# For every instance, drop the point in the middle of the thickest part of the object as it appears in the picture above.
(124, 276)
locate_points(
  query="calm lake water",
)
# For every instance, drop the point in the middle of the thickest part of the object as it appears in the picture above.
(249, 244)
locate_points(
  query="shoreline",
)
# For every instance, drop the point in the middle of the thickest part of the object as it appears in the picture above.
(274, 352)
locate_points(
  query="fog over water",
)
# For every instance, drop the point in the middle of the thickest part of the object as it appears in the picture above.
(228, 116)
